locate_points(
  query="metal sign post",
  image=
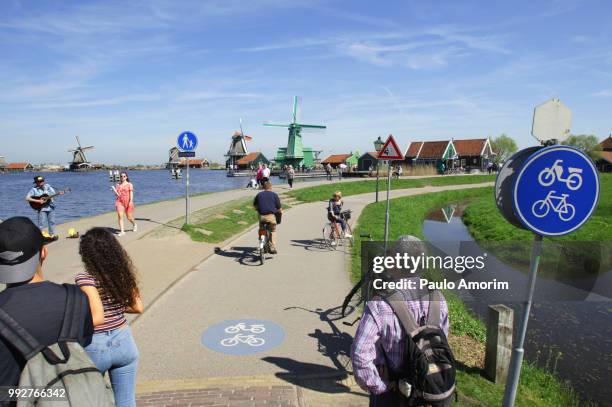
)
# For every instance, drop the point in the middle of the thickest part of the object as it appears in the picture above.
(187, 142)
(390, 151)
(553, 191)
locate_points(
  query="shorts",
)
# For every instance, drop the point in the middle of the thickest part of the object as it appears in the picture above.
(122, 207)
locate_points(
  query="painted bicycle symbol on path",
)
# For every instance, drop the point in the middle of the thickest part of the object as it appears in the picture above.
(559, 204)
(250, 340)
(548, 176)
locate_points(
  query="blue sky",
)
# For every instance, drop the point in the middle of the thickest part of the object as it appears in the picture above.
(128, 77)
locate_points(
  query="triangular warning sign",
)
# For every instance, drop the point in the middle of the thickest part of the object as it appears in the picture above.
(390, 150)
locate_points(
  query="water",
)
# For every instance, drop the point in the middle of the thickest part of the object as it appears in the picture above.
(572, 338)
(91, 194)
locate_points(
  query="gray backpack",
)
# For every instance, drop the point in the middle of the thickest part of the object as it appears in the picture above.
(69, 380)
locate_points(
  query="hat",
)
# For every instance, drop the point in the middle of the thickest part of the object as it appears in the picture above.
(38, 178)
(20, 243)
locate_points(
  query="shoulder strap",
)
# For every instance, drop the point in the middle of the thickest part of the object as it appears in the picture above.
(433, 313)
(17, 336)
(400, 308)
(71, 325)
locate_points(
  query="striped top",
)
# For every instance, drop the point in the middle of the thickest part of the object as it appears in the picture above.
(113, 312)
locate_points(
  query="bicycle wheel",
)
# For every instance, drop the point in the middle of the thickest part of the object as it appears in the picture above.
(329, 236)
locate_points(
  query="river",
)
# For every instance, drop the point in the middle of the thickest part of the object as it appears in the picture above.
(570, 329)
(91, 191)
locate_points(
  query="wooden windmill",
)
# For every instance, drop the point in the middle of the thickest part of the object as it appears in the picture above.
(79, 160)
(295, 153)
(238, 147)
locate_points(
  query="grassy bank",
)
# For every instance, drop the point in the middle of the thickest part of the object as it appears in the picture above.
(566, 256)
(467, 333)
(323, 192)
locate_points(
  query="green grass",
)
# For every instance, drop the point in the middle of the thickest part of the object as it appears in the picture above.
(323, 192)
(537, 387)
(572, 255)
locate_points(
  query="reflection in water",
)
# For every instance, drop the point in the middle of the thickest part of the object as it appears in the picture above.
(571, 319)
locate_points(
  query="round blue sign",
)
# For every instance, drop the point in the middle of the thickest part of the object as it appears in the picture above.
(243, 336)
(187, 141)
(556, 190)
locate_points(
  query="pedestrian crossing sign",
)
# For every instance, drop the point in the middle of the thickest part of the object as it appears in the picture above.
(390, 151)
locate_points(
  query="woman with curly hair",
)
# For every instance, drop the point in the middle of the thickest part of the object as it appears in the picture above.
(109, 281)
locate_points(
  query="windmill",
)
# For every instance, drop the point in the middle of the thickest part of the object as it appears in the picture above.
(79, 161)
(238, 148)
(295, 153)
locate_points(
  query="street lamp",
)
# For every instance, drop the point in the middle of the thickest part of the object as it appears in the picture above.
(378, 145)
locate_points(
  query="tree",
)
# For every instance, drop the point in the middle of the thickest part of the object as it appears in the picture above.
(504, 147)
(587, 143)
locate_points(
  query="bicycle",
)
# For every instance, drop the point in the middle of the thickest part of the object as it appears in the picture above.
(265, 237)
(563, 209)
(333, 233)
(241, 326)
(250, 340)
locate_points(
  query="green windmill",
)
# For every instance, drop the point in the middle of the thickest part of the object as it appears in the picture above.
(295, 153)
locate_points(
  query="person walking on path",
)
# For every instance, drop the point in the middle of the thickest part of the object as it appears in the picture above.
(265, 174)
(290, 176)
(46, 214)
(328, 171)
(380, 347)
(268, 205)
(109, 281)
(259, 175)
(37, 305)
(124, 204)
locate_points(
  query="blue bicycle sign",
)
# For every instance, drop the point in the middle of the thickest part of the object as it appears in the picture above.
(555, 190)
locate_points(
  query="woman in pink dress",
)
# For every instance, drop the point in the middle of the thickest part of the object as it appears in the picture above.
(124, 191)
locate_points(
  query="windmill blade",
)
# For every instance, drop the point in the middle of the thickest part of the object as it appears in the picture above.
(241, 131)
(311, 126)
(87, 148)
(276, 125)
(78, 141)
(297, 109)
(248, 138)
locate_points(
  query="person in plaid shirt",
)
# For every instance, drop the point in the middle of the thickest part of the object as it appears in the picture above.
(380, 342)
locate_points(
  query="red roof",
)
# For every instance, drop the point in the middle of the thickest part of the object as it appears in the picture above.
(414, 148)
(606, 156)
(433, 149)
(472, 147)
(17, 166)
(336, 159)
(606, 144)
(247, 159)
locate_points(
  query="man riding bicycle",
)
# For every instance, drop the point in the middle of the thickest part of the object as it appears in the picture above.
(268, 205)
(334, 210)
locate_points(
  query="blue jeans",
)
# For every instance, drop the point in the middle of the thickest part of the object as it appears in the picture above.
(116, 352)
(49, 216)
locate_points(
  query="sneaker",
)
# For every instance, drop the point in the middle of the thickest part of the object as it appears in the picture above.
(121, 233)
(273, 251)
(348, 235)
(333, 242)
(135, 228)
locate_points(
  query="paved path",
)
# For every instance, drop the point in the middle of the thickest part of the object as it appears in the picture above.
(299, 289)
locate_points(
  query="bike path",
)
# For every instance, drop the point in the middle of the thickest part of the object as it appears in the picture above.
(300, 290)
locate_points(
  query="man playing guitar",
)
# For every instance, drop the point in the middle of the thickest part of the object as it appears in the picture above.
(47, 207)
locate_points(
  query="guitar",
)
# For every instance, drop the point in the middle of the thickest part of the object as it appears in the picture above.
(46, 198)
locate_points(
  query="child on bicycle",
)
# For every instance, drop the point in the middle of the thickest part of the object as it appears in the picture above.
(334, 209)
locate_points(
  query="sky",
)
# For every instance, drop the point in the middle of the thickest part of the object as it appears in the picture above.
(128, 77)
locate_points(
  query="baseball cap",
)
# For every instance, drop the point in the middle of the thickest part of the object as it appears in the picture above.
(20, 243)
(38, 179)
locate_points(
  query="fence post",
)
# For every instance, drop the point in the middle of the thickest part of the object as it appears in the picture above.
(500, 323)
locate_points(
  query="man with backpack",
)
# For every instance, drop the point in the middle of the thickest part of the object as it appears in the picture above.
(43, 325)
(392, 350)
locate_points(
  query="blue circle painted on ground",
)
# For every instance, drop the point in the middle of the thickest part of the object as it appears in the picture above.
(556, 190)
(243, 336)
(187, 141)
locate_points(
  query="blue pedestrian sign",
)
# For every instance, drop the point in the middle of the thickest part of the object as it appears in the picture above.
(555, 191)
(187, 141)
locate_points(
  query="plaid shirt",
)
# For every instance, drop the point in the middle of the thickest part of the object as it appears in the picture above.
(380, 331)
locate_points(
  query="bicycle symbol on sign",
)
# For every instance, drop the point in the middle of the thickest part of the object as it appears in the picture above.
(250, 340)
(548, 176)
(564, 210)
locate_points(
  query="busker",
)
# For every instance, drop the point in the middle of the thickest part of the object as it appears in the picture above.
(46, 213)
(386, 353)
(268, 205)
(37, 305)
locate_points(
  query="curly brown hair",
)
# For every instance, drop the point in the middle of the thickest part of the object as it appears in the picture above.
(106, 260)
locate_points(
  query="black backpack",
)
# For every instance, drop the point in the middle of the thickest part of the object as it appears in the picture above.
(429, 364)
